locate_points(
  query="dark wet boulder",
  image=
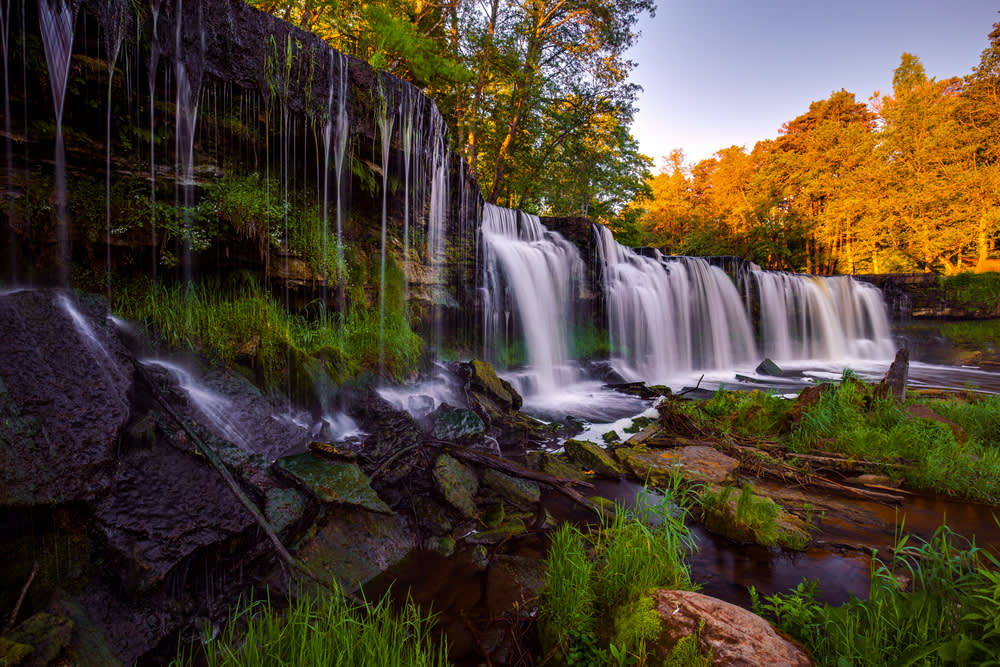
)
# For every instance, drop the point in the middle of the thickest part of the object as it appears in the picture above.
(451, 423)
(768, 367)
(166, 506)
(355, 546)
(65, 380)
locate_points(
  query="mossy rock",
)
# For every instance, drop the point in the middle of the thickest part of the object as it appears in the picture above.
(458, 484)
(593, 457)
(451, 423)
(284, 508)
(517, 491)
(782, 529)
(513, 527)
(332, 482)
(46, 634)
(485, 381)
(443, 545)
(694, 463)
(555, 465)
(12, 653)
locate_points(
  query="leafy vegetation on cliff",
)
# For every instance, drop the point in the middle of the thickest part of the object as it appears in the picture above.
(246, 325)
(537, 94)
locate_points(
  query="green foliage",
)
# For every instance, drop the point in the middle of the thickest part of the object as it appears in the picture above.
(749, 413)
(852, 421)
(685, 653)
(975, 291)
(247, 325)
(979, 418)
(599, 583)
(321, 630)
(948, 614)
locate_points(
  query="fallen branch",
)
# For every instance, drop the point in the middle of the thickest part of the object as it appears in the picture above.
(20, 598)
(784, 471)
(849, 462)
(234, 487)
(690, 389)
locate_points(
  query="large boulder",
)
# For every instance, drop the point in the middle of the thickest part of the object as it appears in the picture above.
(734, 636)
(696, 463)
(65, 379)
(490, 389)
(166, 506)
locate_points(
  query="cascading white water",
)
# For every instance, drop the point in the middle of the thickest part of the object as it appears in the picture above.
(186, 119)
(530, 279)
(669, 316)
(56, 23)
(812, 317)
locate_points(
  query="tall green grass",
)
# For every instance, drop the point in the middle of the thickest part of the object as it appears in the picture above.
(247, 325)
(851, 420)
(597, 607)
(321, 630)
(947, 613)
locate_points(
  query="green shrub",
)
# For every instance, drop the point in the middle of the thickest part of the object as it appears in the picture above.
(947, 614)
(597, 597)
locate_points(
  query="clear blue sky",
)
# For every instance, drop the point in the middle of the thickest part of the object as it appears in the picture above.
(718, 73)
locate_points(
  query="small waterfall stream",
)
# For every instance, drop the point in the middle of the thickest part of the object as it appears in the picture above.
(57, 20)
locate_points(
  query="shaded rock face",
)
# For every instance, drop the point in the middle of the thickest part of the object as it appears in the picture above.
(65, 381)
(735, 636)
(165, 506)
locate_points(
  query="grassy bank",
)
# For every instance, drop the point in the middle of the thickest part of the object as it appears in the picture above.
(951, 446)
(932, 603)
(246, 325)
(320, 630)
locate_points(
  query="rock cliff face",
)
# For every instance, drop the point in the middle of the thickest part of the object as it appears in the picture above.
(224, 156)
(922, 296)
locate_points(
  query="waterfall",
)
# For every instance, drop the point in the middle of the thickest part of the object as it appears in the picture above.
(530, 280)
(56, 23)
(114, 44)
(437, 217)
(154, 57)
(811, 317)
(669, 315)
(384, 121)
(188, 95)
